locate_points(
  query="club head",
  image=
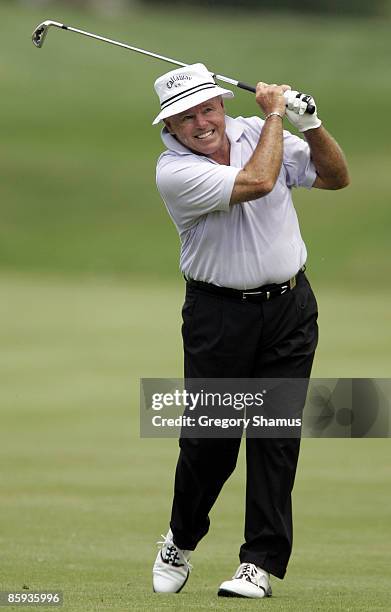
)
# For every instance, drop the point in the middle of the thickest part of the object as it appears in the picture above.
(40, 32)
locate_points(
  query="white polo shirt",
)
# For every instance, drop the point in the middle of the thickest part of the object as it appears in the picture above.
(245, 245)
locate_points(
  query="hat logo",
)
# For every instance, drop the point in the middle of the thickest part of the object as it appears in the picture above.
(178, 77)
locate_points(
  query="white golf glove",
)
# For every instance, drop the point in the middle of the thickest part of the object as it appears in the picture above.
(296, 106)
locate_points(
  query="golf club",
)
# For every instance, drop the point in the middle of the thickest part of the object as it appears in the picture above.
(41, 30)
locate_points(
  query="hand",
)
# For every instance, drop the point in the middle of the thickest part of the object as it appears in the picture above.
(296, 106)
(271, 98)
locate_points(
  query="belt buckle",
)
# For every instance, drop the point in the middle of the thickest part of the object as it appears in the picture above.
(267, 294)
(246, 293)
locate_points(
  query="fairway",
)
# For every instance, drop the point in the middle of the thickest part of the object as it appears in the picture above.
(84, 499)
(78, 184)
(92, 295)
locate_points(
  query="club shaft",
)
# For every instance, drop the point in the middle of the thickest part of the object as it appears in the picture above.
(123, 45)
(143, 52)
(116, 43)
(155, 55)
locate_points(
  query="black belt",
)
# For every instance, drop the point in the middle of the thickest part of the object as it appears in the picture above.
(259, 294)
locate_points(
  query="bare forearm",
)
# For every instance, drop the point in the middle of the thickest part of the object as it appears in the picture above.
(265, 163)
(259, 175)
(328, 159)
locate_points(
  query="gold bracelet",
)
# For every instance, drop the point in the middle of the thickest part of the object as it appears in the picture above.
(274, 113)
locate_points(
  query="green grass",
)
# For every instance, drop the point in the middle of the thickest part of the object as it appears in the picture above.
(84, 498)
(78, 155)
(91, 301)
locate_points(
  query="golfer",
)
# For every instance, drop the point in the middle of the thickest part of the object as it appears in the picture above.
(249, 310)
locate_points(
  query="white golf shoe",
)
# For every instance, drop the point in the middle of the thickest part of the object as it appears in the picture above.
(248, 581)
(172, 568)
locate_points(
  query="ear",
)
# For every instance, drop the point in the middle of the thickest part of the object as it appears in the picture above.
(169, 126)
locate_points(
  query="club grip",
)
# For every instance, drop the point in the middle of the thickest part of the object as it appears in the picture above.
(247, 87)
(310, 108)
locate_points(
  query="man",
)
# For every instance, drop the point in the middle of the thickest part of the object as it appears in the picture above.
(249, 310)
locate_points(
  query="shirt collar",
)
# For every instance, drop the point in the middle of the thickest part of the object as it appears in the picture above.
(233, 127)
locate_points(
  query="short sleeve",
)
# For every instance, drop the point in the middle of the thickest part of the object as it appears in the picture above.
(300, 171)
(192, 187)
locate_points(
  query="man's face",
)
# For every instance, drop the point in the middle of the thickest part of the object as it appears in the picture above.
(201, 128)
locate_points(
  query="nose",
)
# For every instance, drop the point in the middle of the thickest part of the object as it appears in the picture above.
(201, 121)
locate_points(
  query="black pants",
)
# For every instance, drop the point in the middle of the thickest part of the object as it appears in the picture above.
(228, 338)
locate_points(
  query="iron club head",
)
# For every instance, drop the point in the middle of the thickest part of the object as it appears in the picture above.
(40, 32)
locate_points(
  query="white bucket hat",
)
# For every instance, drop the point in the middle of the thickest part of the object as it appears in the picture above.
(184, 88)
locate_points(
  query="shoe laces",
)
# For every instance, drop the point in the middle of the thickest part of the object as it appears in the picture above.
(249, 572)
(171, 554)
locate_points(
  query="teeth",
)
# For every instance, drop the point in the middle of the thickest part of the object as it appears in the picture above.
(205, 135)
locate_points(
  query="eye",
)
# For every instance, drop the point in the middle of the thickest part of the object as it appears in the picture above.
(187, 117)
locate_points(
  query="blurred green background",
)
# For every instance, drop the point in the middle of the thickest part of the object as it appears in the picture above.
(91, 298)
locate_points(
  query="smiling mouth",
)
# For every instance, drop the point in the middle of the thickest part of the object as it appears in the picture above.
(205, 135)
